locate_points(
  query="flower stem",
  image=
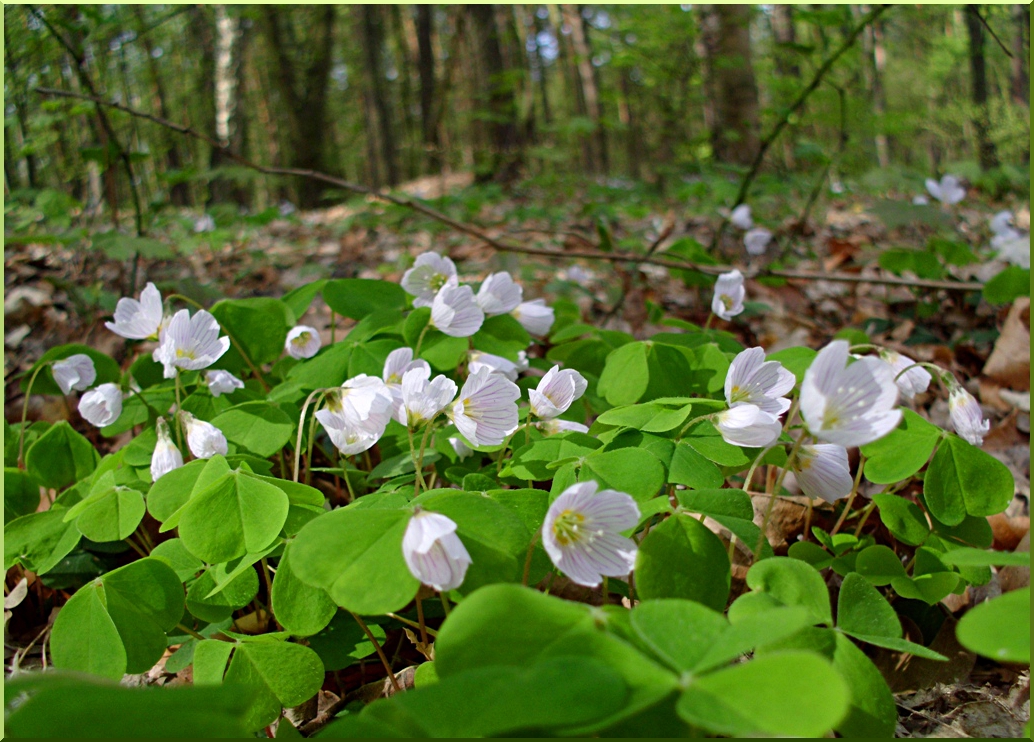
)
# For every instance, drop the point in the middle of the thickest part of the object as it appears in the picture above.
(179, 409)
(412, 624)
(850, 499)
(527, 559)
(25, 415)
(710, 319)
(420, 340)
(301, 426)
(691, 423)
(348, 480)
(419, 481)
(775, 493)
(445, 604)
(380, 652)
(420, 618)
(190, 631)
(864, 517)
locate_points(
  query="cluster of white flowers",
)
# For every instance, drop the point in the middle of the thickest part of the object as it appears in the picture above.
(755, 239)
(457, 311)
(843, 405)
(100, 406)
(581, 534)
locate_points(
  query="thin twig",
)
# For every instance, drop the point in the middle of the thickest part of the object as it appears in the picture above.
(781, 124)
(496, 244)
(991, 31)
(380, 652)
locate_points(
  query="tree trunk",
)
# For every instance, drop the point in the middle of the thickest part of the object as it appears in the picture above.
(734, 136)
(179, 194)
(1021, 56)
(425, 65)
(303, 89)
(373, 47)
(227, 33)
(879, 96)
(504, 160)
(978, 78)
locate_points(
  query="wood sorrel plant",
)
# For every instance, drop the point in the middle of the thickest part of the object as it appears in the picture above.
(489, 469)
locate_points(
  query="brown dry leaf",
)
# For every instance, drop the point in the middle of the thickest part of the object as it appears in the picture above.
(425, 649)
(1014, 578)
(904, 672)
(1009, 363)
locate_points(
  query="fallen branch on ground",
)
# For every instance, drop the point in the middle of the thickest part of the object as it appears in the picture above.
(496, 244)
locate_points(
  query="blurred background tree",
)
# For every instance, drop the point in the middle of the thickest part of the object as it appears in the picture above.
(384, 94)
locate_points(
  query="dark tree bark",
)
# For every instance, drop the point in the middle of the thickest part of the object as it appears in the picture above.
(726, 36)
(1021, 56)
(978, 79)
(373, 47)
(429, 125)
(303, 88)
(179, 194)
(504, 160)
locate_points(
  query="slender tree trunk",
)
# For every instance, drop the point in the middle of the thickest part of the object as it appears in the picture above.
(879, 96)
(589, 92)
(179, 194)
(734, 136)
(543, 80)
(978, 78)
(504, 140)
(227, 32)
(1021, 56)
(373, 47)
(627, 118)
(424, 34)
(787, 69)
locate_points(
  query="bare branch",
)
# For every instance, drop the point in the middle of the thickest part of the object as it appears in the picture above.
(422, 208)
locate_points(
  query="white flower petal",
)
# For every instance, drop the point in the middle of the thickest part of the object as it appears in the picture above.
(203, 439)
(455, 312)
(166, 456)
(966, 416)
(728, 295)
(101, 406)
(748, 425)
(486, 411)
(302, 342)
(138, 320)
(741, 217)
(429, 273)
(535, 317)
(434, 552)
(756, 241)
(222, 382)
(823, 471)
(499, 294)
(75, 372)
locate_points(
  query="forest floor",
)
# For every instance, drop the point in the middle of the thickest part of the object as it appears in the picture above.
(58, 294)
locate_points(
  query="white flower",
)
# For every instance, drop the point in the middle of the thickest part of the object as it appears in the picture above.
(363, 403)
(203, 439)
(822, 471)
(753, 380)
(748, 425)
(1000, 222)
(552, 427)
(582, 533)
(499, 294)
(352, 438)
(102, 406)
(756, 241)
(1013, 247)
(455, 312)
(535, 317)
(190, 343)
(920, 200)
(74, 372)
(948, 191)
(138, 320)
(966, 416)
(427, 276)
(556, 392)
(166, 456)
(397, 363)
(497, 364)
(741, 218)
(728, 295)
(486, 411)
(914, 381)
(286, 208)
(423, 400)
(205, 223)
(433, 552)
(222, 382)
(578, 274)
(848, 405)
(302, 342)
(462, 449)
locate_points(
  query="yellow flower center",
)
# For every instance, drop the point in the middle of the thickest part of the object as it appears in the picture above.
(738, 394)
(727, 301)
(302, 340)
(437, 281)
(568, 528)
(181, 353)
